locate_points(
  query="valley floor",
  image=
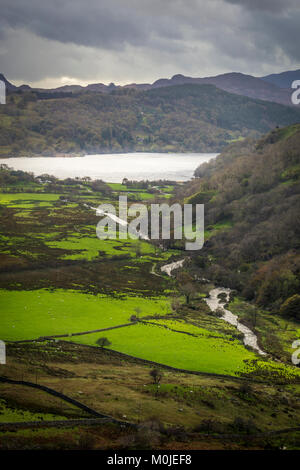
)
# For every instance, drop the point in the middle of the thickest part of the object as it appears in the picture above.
(60, 286)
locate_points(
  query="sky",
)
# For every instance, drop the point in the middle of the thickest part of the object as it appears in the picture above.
(58, 42)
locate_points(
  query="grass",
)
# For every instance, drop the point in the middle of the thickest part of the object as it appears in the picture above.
(206, 353)
(276, 333)
(287, 132)
(213, 230)
(123, 388)
(210, 231)
(27, 200)
(9, 414)
(30, 314)
(91, 247)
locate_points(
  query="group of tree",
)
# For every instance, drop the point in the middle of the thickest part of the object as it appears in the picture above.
(251, 194)
(179, 118)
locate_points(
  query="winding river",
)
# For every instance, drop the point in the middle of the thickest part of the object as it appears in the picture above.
(215, 303)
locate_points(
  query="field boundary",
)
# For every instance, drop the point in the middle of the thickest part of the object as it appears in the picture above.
(45, 338)
(62, 396)
(147, 362)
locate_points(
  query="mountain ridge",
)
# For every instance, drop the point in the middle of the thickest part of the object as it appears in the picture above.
(283, 79)
(268, 88)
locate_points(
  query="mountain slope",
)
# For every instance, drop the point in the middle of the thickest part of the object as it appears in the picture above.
(238, 83)
(252, 199)
(178, 118)
(283, 79)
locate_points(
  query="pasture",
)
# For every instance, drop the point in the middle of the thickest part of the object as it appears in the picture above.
(35, 313)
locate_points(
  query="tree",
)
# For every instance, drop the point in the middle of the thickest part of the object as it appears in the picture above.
(103, 342)
(291, 307)
(156, 375)
(186, 286)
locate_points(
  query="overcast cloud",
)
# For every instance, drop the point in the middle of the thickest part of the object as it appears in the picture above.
(86, 41)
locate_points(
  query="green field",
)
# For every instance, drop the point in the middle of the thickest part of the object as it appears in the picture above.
(205, 352)
(88, 247)
(35, 313)
(30, 314)
(27, 200)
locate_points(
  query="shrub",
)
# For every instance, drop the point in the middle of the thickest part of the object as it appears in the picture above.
(156, 374)
(291, 307)
(103, 342)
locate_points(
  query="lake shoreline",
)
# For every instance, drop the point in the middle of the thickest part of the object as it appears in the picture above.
(114, 167)
(122, 152)
(83, 154)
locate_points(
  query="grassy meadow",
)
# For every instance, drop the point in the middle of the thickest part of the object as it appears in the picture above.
(41, 312)
(203, 352)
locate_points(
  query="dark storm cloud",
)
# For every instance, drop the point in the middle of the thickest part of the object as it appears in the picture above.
(96, 23)
(140, 40)
(282, 32)
(273, 6)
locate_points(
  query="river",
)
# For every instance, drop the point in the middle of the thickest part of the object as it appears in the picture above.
(215, 303)
(114, 167)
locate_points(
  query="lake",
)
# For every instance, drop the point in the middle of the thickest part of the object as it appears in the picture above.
(114, 167)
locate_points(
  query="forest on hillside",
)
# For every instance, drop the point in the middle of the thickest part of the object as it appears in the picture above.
(184, 118)
(252, 198)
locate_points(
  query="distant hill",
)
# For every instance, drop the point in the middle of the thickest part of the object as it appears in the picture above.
(238, 83)
(265, 88)
(284, 79)
(182, 118)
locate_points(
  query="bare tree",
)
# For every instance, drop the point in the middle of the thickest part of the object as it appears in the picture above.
(156, 375)
(186, 286)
